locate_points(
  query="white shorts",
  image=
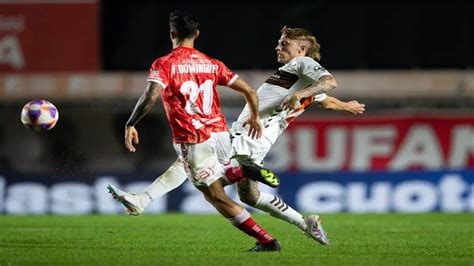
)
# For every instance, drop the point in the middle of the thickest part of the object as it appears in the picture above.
(257, 149)
(204, 162)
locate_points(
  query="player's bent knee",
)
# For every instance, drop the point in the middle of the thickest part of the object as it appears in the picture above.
(248, 198)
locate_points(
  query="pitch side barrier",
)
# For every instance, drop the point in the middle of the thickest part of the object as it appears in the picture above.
(367, 192)
(394, 85)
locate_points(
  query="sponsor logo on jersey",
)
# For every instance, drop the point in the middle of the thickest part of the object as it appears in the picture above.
(319, 69)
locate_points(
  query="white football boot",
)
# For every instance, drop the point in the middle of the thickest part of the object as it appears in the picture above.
(315, 229)
(134, 202)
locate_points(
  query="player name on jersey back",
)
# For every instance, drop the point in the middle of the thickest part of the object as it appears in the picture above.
(194, 65)
(194, 68)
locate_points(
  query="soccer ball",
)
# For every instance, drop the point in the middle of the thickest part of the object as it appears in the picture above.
(39, 115)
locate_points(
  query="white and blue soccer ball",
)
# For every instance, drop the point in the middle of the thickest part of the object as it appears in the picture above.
(39, 115)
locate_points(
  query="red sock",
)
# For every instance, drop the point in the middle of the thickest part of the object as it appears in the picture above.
(251, 228)
(234, 174)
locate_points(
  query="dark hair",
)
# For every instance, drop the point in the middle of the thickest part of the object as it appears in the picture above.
(183, 24)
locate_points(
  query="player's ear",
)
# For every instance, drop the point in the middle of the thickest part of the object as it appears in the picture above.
(303, 48)
(196, 34)
(172, 34)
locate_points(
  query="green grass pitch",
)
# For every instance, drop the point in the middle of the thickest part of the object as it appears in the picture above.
(179, 239)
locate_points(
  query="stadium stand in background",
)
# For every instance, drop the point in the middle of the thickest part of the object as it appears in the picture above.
(414, 72)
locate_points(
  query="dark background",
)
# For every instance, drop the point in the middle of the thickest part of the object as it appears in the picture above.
(353, 35)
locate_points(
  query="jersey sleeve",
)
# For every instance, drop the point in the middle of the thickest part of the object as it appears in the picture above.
(158, 74)
(312, 69)
(225, 76)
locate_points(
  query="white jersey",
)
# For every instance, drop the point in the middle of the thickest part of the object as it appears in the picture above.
(296, 75)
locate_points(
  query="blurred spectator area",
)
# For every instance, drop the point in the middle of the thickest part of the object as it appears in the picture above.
(391, 85)
(94, 108)
(353, 34)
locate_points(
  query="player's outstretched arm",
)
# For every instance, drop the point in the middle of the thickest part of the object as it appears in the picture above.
(332, 103)
(142, 107)
(250, 95)
(322, 85)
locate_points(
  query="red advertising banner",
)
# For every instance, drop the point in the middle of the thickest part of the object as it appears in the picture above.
(42, 36)
(389, 143)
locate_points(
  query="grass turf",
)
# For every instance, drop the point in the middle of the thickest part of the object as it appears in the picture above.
(177, 239)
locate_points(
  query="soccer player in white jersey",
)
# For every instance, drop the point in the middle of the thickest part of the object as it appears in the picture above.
(282, 97)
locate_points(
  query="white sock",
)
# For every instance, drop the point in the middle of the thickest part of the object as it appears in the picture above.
(240, 218)
(276, 207)
(144, 199)
(169, 180)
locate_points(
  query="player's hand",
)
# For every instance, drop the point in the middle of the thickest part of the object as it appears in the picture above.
(255, 127)
(290, 102)
(131, 137)
(354, 107)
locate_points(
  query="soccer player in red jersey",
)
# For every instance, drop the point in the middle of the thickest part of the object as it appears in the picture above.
(187, 80)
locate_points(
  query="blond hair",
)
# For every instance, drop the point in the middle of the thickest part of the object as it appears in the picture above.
(301, 34)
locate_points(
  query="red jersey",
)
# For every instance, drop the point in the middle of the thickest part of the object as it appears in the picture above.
(190, 98)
